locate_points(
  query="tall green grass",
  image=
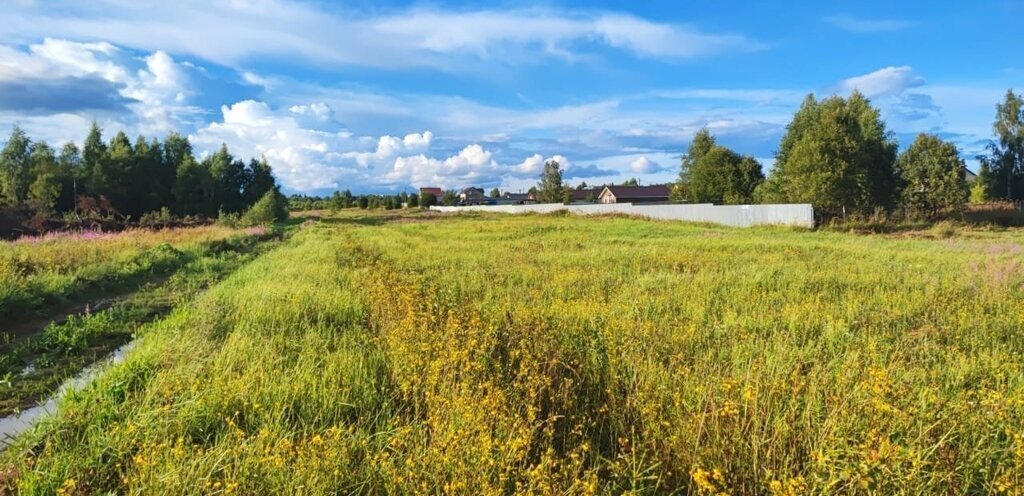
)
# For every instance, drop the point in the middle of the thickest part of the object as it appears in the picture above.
(497, 355)
(33, 365)
(50, 269)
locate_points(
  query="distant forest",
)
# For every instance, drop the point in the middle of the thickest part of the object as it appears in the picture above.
(123, 181)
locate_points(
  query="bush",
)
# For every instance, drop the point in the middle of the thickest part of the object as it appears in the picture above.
(979, 193)
(157, 218)
(229, 219)
(272, 207)
(943, 229)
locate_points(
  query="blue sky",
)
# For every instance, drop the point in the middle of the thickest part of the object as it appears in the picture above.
(387, 96)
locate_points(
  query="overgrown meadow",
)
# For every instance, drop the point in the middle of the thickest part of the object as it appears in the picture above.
(48, 269)
(566, 355)
(68, 299)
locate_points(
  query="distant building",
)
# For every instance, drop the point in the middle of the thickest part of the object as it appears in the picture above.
(437, 192)
(472, 196)
(589, 195)
(969, 176)
(634, 194)
(516, 198)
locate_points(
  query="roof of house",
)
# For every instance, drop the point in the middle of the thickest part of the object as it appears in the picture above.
(653, 191)
(515, 196)
(583, 194)
(432, 190)
(472, 189)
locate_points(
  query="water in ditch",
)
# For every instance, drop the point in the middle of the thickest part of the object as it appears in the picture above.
(17, 423)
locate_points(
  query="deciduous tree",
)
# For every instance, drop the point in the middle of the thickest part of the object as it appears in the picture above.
(550, 188)
(261, 180)
(1004, 164)
(837, 155)
(47, 183)
(15, 168)
(933, 177)
(716, 174)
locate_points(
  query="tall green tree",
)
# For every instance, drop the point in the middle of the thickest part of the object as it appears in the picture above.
(230, 181)
(191, 187)
(48, 180)
(94, 154)
(336, 201)
(70, 163)
(261, 180)
(550, 189)
(716, 174)
(1005, 162)
(176, 148)
(701, 144)
(15, 168)
(837, 155)
(153, 179)
(113, 178)
(142, 192)
(933, 177)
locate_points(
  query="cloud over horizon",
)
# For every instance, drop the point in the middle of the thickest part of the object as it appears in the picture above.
(410, 37)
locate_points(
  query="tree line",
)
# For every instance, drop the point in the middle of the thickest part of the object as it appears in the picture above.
(345, 199)
(837, 155)
(127, 180)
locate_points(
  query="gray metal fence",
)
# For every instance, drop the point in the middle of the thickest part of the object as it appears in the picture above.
(801, 215)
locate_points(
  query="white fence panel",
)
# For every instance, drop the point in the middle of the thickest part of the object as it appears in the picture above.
(801, 215)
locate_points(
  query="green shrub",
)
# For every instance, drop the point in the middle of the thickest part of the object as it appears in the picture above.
(272, 207)
(979, 193)
(157, 218)
(229, 219)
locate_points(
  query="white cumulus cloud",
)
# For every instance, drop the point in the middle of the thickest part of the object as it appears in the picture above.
(888, 81)
(310, 159)
(644, 165)
(157, 92)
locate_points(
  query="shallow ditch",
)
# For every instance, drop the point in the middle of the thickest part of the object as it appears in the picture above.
(36, 366)
(13, 425)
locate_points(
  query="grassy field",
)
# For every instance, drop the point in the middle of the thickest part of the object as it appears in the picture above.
(37, 272)
(566, 355)
(110, 285)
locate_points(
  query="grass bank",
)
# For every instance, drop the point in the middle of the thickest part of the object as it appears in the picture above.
(546, 354)
(40, 273)
(33, 364)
